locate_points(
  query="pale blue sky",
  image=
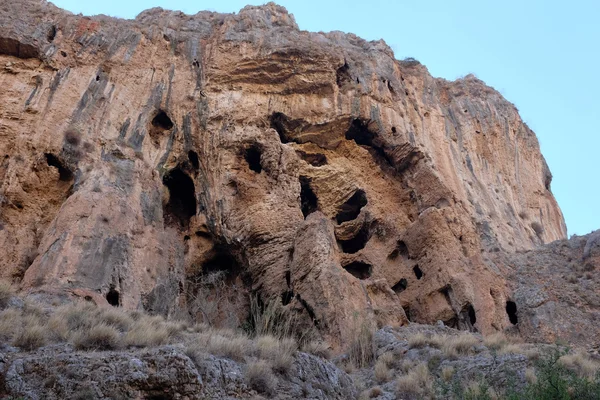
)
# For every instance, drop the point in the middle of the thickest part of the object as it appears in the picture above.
(542, 55)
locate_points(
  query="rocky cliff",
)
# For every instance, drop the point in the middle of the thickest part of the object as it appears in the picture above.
(139, 156)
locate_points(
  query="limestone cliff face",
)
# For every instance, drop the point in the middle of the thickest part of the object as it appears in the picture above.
(138, 155)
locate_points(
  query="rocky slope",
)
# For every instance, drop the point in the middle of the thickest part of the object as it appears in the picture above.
(139, 156)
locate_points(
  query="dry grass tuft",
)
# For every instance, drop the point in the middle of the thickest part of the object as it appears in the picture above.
(447, 373)
(280, 352)
(460, 344)
(416, 382)
(581, 364)
(230, 347)
(362, 349)
(6, 292)
(317, 348)
(531, 376)
(10, 320)
(260, 378)
(147, 332)
(382, 367)
(31, 335)
(421, 340)
(98, 337)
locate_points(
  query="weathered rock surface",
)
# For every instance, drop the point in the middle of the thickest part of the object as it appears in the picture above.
(57, 372)
(140, 154)
(556, 293)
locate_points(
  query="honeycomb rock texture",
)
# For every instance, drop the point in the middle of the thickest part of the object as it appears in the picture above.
(139, 155)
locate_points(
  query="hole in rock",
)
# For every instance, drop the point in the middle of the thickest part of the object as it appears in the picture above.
(471, 313)
(342, 75)
(394, 129)
(407, 312)
(390, 87)
(162, 120)
(360, 133)
(222, 262)
(511, 310)
(400, 286)
(51, 33)
(64, 173)
(113, 297)
(359, 269)
(418, 272)
(252, 156)
(279, 122)
(309, 310)
(97, 78)
(351, 208)
(316, 160)
(357, 243)
(308, 198)
(63, 53)
(182, 198)
(193, 157)
(400, 250)
(287, 297)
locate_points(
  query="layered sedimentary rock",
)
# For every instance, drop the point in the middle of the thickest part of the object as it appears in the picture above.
(140, 155)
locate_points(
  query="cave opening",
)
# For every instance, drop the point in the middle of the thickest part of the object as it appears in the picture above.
(357, 243)
(113, 298)
(360, 133)
(511, 310)
(418, 272)
(278, 122)
(222, 262)
(64, 173)
(161, 120)
(400, 286)
(352, 207)
(252, 156)
(308, 198)
(51, 33)
(181, 206)
(359, 269)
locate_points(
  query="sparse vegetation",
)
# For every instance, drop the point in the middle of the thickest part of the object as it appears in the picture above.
(260, 378)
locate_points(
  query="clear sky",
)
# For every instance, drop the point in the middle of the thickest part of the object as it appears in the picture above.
(542, 55)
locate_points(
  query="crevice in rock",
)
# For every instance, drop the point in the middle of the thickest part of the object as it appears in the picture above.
(287, 297)
(161, 120)
(181, 206)
(280, 122)
(406, 309)
(400, 286)
(309, 310)
(252, 156)
(64, 173)
(308, 199)
(417, 271)
(511, 310)
(359, 269)
(352, 207)
(113, 297)
(193, 157)
(51, 33)
(315, 159)
(357, 243)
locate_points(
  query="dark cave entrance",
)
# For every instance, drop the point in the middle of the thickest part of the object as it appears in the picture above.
(308, 198)
(162, 121)
(64, 173)
(223, 262)
(359, 269)
(357, 243)
(113, 298)
(417, 271)
(400, 286)
(511, 310)
(352, 207)
(252, 157)
(182, 197)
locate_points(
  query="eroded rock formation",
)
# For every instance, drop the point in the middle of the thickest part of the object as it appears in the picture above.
(138, 155)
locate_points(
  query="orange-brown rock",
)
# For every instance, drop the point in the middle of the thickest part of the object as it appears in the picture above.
(315, 167)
